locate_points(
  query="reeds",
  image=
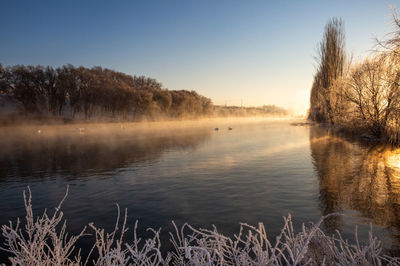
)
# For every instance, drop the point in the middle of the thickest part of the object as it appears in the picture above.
(43, 241)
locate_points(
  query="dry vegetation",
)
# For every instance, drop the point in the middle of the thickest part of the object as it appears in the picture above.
(362, 97)
(43, 241)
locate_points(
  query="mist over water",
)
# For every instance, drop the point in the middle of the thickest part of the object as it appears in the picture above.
(259, 171)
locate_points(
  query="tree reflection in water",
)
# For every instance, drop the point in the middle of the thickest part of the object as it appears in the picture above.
(73, 153)
(357, 177)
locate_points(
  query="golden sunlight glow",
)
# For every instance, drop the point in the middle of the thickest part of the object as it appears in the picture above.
(393, 159)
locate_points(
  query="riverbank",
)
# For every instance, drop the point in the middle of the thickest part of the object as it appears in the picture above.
(356, 135)
(360, 98)
(43, 121)
(110, 130)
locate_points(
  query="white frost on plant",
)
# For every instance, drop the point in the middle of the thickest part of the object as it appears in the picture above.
(43, 241)
(40, 241)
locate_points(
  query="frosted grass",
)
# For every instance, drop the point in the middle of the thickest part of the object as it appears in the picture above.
(43, 240)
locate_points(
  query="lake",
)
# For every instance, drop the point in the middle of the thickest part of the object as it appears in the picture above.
(259, 171)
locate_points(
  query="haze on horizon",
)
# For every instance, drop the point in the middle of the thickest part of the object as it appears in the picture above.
(234, 52)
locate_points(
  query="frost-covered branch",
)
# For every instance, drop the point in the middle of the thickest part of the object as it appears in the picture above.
(43, 241)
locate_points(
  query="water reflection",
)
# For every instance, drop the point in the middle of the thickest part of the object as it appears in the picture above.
(256, 172)
(29, 155)
(356, 177)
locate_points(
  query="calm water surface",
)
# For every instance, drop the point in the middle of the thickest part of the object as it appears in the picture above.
(259, 171)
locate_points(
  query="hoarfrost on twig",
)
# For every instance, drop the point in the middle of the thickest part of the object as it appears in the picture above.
(40, 241)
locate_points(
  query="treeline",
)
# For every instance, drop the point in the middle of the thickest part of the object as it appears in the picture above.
(265, 110)
(80, 92)
(362, 97)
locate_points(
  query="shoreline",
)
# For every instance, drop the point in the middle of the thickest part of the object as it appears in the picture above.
(20, 121)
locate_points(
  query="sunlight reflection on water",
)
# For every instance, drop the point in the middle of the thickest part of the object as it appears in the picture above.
(393, 160)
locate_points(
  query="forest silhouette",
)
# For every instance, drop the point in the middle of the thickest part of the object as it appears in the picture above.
(88, 93)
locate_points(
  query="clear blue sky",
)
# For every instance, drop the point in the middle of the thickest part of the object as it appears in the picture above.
(258, 52)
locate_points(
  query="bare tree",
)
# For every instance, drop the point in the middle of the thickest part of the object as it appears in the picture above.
(331, 62)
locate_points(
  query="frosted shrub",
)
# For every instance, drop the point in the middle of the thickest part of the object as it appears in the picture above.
(44, 241)
(40, 241)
